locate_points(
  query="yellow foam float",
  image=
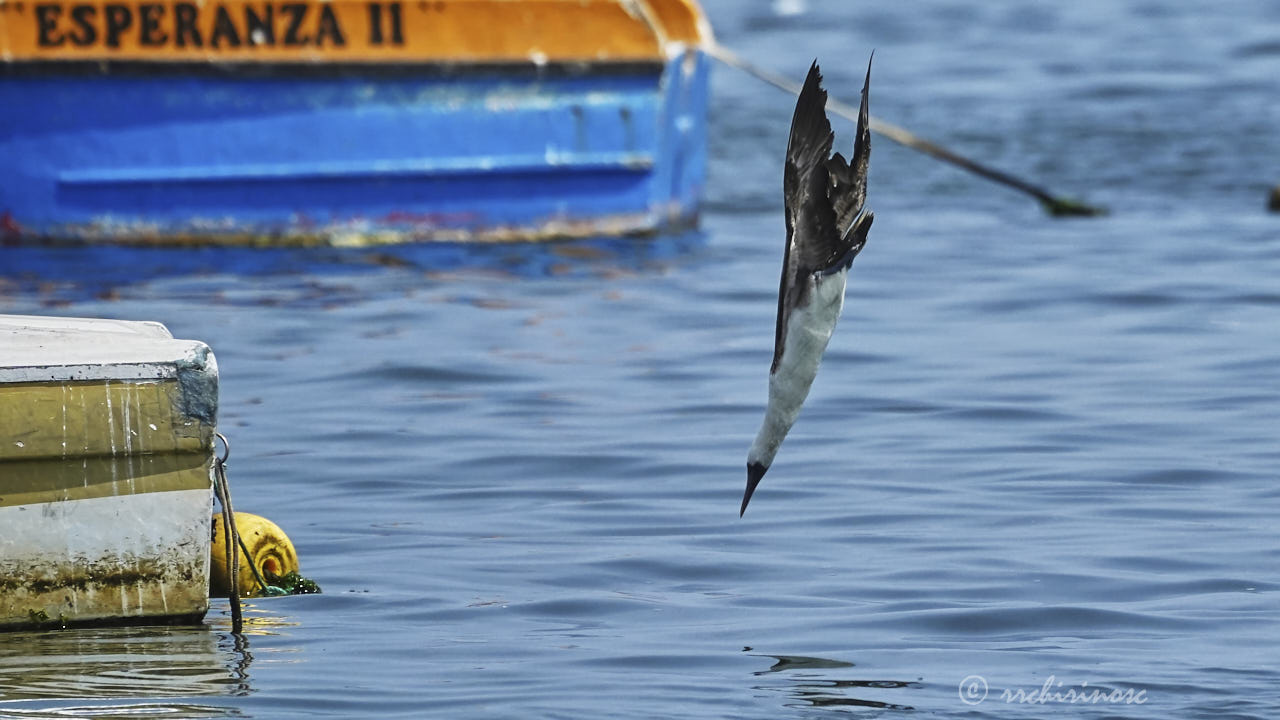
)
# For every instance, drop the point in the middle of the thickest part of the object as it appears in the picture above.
(269, 550)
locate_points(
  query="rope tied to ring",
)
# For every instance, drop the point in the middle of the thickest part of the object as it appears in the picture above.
(230, 534)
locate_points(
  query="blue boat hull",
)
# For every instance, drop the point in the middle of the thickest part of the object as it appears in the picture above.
(349, 155)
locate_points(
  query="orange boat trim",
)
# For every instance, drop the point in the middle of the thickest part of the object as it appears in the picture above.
(444, 31)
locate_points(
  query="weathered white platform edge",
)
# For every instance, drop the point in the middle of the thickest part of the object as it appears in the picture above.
(42, 349)
(141, 549)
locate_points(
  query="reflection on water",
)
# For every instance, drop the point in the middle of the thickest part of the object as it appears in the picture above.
(122, 662)
(801, 662)
(141, 663)
(808, 684)
(130, 711)
(62, 275)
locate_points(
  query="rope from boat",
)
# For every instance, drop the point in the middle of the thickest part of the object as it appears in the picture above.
(1055, 205)
(230, 534)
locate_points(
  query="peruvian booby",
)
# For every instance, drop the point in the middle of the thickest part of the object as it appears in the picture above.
(826, 228)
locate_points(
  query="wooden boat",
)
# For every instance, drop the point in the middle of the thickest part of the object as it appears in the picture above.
(106, 451)
(349, 122)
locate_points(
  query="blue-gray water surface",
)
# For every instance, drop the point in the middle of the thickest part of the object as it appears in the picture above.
(1039, 460)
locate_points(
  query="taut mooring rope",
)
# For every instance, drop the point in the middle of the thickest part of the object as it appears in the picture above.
(1053, 204)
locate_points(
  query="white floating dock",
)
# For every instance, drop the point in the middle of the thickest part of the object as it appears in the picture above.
(106, 455)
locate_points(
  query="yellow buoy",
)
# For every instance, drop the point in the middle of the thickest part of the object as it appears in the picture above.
(269, 550)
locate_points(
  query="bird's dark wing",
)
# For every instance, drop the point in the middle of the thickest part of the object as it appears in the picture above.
(823, 198)
(809, 215)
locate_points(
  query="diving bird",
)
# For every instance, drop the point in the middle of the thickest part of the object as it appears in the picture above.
(826, 228)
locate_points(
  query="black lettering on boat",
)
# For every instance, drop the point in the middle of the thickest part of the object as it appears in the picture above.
(150, 34)
(46, 24)
(86, 30)
(224, 30)
(328, 27)
(185, 31)
(397, 26)
(260, 29)
(119, 18)
(295, 11)
(375, 23)
(185, 24)
(396, 12)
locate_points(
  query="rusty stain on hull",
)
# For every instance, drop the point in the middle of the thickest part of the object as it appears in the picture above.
(83, 575)
(401, 228)
(68, 589)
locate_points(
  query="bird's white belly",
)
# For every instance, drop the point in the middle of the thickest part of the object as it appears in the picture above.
(808, 331)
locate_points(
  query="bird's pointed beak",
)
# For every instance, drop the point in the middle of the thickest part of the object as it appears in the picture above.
(755, 472)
